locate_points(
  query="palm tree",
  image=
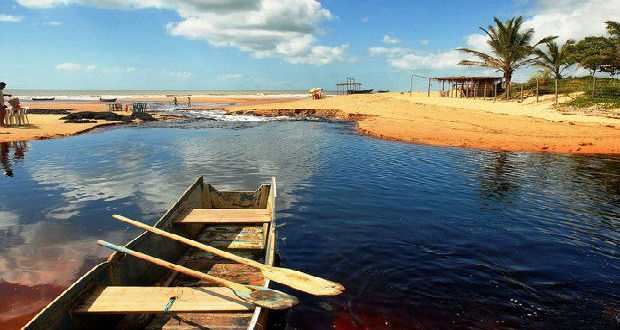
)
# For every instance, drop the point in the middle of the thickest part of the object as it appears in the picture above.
(555, 59)
(510, 48)
(613, 28)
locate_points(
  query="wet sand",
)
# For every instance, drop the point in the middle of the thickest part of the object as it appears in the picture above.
(468, 123)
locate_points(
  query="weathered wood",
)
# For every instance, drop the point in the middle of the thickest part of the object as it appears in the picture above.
(263, 297)
(194, 321)
(233, 237)
(132, 299)
(210, 216)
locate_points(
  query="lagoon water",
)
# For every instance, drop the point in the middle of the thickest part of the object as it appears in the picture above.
(422, 237)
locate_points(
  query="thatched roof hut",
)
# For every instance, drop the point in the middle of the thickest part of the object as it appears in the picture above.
(469, 86)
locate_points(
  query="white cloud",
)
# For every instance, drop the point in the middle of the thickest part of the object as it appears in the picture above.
(364, 19)
(424, 42)
(437, 61)
(118, 70)
(70, 66)
(284, 29)
(179, 75)
(390, 40)
(230, 76)
(387, 51)
(10, 18)
(52, 23)
(572, 19)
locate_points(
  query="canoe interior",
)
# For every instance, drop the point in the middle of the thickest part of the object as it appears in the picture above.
(250, 240)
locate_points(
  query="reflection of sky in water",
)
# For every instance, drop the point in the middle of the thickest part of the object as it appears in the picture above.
(404, 227)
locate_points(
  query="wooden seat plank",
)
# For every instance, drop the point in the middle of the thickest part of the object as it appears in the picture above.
(132, 299)
(216, 216)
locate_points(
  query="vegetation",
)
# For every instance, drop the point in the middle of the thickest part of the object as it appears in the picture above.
(556, 59)
(510, 47)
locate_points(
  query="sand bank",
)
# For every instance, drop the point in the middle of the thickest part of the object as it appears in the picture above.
(469, 123)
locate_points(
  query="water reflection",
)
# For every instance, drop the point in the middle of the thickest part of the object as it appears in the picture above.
(18, 155)
(422, 237)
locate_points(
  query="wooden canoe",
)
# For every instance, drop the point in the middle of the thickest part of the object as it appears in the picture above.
(107, 100)
(128, 293)
(43, 98)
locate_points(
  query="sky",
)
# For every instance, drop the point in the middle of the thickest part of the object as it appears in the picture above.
(263, 44)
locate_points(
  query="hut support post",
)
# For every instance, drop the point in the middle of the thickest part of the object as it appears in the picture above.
(536, 90)
(484, 95)
(521, 93)
(556, 90)
(495, 92)
(429, 88)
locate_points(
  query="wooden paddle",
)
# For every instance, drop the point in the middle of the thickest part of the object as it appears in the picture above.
(295, 279)
(259, 296)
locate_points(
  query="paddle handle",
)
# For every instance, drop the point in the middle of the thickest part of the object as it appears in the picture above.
(190, 242)
(178, 268)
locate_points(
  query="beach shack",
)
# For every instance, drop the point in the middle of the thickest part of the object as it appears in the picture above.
(468, 86)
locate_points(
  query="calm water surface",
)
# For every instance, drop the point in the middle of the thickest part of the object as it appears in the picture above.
(421, 237)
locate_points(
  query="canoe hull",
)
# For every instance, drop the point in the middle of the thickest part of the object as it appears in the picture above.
(122, 270)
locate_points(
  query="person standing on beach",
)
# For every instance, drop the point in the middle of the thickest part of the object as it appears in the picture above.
(189, 101)
(2, 106)
(175, 101)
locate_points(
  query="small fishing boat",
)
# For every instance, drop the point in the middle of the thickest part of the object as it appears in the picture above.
(107, 100)
(128, 293)
(43, 98)
(383, 91)
(361, 91)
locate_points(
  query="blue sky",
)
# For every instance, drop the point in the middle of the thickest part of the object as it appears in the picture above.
(262, 44)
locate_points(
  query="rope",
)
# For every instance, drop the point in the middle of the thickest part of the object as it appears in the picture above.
(167, 308)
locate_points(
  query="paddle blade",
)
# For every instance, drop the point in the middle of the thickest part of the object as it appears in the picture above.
(303, 282)
(267, 298)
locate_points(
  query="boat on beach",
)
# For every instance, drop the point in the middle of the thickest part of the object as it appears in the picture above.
(361, 91)
(43, 98)
(107, 100)
(128, 293)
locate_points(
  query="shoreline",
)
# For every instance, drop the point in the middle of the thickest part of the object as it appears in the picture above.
(463, 123)
(438, 121)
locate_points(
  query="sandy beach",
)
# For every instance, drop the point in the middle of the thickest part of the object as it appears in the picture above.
(467, 123)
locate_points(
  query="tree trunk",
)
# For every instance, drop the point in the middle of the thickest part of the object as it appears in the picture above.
(593, 83)
(507, 78)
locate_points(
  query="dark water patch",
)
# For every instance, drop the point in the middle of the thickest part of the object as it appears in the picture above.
(421, 237)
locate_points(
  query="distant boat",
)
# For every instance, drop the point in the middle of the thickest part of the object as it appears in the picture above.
(361, 91)
(242, 222)
(385, 91)
(107, 100)
(43, 98)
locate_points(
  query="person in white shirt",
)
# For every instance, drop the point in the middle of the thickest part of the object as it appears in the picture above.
(2, 106)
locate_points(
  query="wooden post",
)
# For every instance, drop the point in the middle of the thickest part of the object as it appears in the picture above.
(411, 86)
(475, 90)
(507, 91)
(537, 90)
(442, 87)
(495, 92)
(521, 93)
(429, 87)
(484, 97)
(556, 90)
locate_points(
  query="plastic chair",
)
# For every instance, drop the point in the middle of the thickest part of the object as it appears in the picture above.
(23, 116)
(10, 118)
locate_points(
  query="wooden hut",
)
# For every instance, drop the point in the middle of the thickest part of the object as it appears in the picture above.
(466, 86)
